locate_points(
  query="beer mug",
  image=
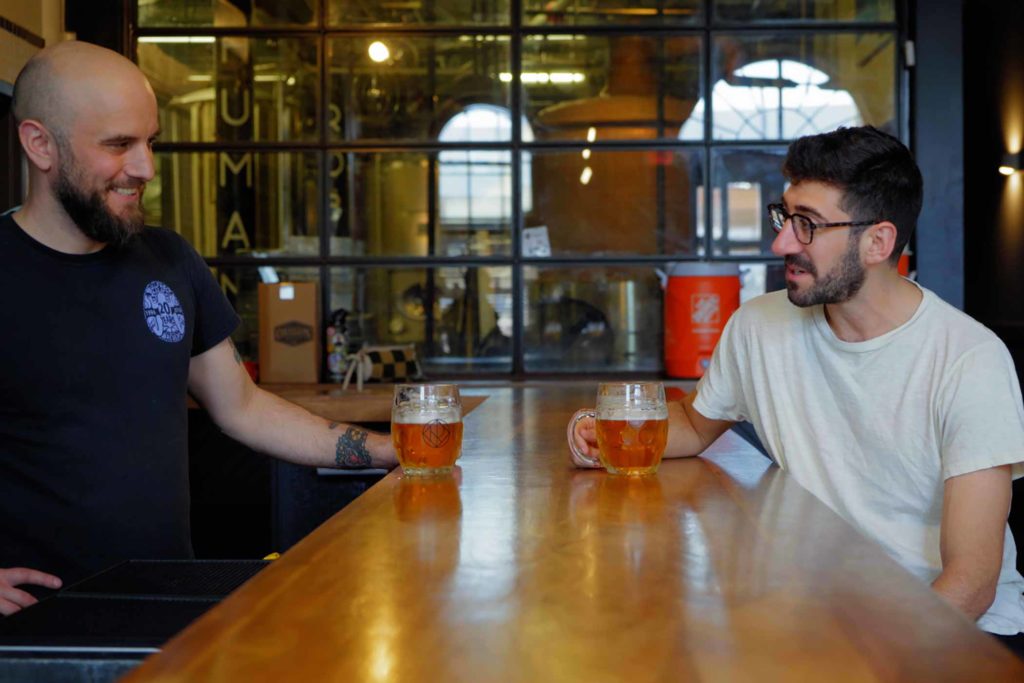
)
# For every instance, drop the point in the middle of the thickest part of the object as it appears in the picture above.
(426, 427)
(631, 421)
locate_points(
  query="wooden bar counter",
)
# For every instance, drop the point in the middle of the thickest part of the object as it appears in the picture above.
(522, 568)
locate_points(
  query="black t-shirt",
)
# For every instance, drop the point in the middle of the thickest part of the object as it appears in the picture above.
(94, 358)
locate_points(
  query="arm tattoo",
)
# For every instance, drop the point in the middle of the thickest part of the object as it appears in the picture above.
(333, 425)
(351, 449)
(234, 349)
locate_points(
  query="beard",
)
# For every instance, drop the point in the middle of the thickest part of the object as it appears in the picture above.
(90, 212)
(838, 285)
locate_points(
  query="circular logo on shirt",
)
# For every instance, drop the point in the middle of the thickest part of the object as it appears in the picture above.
(163, 312)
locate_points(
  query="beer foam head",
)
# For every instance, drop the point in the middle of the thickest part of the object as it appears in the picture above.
(632, 413)
(424, 415)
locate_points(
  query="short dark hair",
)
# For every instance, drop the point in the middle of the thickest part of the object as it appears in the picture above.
(876, 173)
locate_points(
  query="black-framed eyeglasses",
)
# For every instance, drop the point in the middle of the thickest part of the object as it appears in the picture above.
(804, 227)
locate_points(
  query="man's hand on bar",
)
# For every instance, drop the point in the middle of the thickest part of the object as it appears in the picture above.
(12, 598)
(585, 437)
(689, 432)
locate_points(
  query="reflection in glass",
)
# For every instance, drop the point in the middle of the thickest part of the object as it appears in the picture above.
(628, 71)
(256, 203)
(390, 207)
(592, 318)
(460, 319)
(475, 186)
(494, 12)
(241, 286)
(804, 10)
(744, 181)
(778, 87)
(233, 88)
(577, 12)
(416, 88)
(227, 13)
(615, 202)
(620, 87)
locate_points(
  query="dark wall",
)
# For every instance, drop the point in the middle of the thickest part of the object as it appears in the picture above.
(994, 228)
(10, 154)
(993, 124)
(102, 22)
(937, 138)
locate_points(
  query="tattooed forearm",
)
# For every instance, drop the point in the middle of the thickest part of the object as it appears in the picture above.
(351, 449)
(234, 349)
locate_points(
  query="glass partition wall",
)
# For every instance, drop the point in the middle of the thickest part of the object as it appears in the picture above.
(499, 182)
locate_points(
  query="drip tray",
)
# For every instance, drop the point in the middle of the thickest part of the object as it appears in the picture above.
(134, 606)
(209, 579)
(76, 623)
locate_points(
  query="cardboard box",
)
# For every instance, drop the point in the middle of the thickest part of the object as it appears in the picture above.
(289, 332)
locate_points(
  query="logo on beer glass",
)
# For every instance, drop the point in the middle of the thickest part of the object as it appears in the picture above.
(426, 427)
(437, 433)
(631, 421)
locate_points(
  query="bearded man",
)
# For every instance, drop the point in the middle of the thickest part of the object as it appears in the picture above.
(109, 324)
(898, 411)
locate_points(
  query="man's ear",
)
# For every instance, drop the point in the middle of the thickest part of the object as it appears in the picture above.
(878, 241)
(39, 144)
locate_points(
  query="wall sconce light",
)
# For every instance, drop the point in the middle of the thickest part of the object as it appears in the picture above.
(1011, 163)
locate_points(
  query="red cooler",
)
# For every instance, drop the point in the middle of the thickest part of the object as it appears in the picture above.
(699, 298)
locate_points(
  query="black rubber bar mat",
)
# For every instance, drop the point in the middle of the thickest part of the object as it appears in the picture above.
(110, 623)
(210, 579)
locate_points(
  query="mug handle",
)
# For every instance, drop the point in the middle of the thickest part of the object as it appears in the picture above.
(578, 458)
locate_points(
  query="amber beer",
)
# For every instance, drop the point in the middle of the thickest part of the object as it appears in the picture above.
(426, 427)
(428, 445)
(631, 421)
(632, 446)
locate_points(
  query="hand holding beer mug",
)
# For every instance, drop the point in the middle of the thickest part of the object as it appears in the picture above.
(426, 427)
(631, 422)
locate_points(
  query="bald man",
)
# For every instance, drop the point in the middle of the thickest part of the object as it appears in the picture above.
(108, 324)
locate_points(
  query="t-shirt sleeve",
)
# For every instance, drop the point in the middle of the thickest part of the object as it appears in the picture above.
(215, 318)
(981, 414)
(720, 390)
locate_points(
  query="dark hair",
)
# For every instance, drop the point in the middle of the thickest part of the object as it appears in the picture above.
(876, 172)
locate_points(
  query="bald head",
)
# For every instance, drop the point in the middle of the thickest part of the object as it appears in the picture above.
(57, 84)
(87, 119)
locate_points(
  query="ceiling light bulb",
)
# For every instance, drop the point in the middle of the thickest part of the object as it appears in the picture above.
(379, 52)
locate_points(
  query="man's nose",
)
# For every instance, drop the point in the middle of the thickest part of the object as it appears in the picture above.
(141, 165)
(785, 241)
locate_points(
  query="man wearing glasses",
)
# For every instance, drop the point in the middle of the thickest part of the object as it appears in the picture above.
(898, 411)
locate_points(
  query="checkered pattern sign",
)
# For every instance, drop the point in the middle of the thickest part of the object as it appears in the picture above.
(393, 363)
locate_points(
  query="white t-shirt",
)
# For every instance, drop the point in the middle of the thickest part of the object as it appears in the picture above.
(874, 428)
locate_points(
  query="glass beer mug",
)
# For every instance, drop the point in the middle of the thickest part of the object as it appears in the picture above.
(426, 427)
(631, 421)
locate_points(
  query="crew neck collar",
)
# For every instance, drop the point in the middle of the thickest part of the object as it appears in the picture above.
(821, 322)
(20, 233)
